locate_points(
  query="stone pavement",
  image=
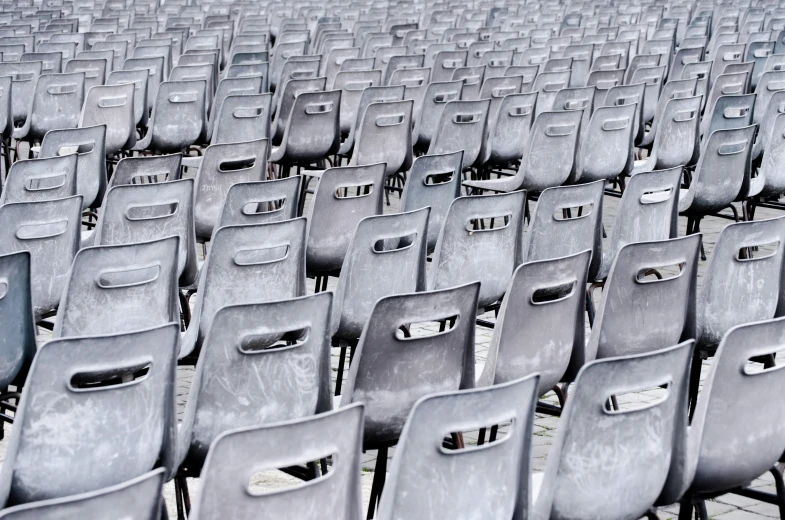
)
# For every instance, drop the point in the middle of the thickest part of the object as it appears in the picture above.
(729, 507)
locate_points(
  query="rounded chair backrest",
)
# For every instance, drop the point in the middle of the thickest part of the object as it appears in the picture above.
(181, 103)
(312, 130)
(550, 153)
(24, 76)
(35, 180)
(384, 136)
(17, 344)
(138, 170)
(137, 78)
(242, 118)
(112, 106)
(260, 202)
(462, 126)
(57, 103)
(607, 150)
(508, 132)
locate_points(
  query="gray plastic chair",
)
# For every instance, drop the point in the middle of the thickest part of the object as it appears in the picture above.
(247, 264)
(260, 364)
(434, 181)
(113, 107)
(727, 414)
(604, 80)
(676, 140)
(36, 180)
(392, 370)
(769, 182)
(674, 89)
(607, 149)
(137, 499)
(222, 166)
(261, 202)
(17, 345)
(540, 324)
(393, 243)
(721, 176)
(94, 70)
(139, 170)
(24, 76)
(628, 95)
(50, 231)
(472, 78)
(429, 481)
(178, 119)
(647, 212)
(156, 72)
(115, 289)
(467, 251)
(235, 456)
(344, 196)
(144, 212)
(730, 112)
(722, 57)
(462, 126)
(741, 290)
(351, 84)
(374, 95)
(122, 445)
(88, 145)
(435, 98)
(312, 130)
(508, 129)
(573, 213)
(663, 275)
(281, 53)
(638, 444)
(57, 103)
(725, 85)
(384, 136)
(242, 118)
(547, 85)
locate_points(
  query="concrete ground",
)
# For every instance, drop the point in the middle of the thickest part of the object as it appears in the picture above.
(729, 507)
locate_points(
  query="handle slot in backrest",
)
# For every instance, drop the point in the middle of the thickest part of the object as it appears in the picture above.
(579, 104)
(46, 182)
(659, 273)
(427, 329)
(124, 278)
(251, 344)
(633, 403)
(502, 91)
(463, 119)
(353, 191)
(554, 86)
(488, 223)
(267, 480)
(554, 293)
(435, 179)
(318, 108)
(262, 255)
(261, 207)
(41, 230)
(445, 97)
(732, 148)
(247, 112)
(152, 211)
(112, 102)
(572, 212)
(762, 251)
(392, 244)
(357, 85)
(501, 431)
(656, 196)
(730, 89)
(183, 97)
(559, 130)
(131, 373)
(735, 112)
(390, 120)
(520, 111)
(237, 164)
(59, 90)
(471, 80)
(22, 76)
(610, 125)
(684, 115)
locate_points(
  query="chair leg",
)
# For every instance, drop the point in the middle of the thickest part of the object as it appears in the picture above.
(780, 486)
(651, 514)
(379, 475)
(695, 379)
(700, 510)
(341, 365)
(179, 500)
(590, 306)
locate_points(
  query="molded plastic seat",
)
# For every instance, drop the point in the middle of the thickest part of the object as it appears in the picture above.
(87, 144)
(137, 499)
(143, 212)
(50, 231)
(607, 150)
(247, 264)
(122, 446)
(242, 118)
(391, 371)
(344, 197)
(730, 112)
(113, 107)
(351, 84)
(427, 118)
(17, 345)
(261, 202)
(770, 182)
(57, 103)
(137, 170)
(384, 136)
(466, 251)
(369, 96)
(156, 72)
(222, 166)
(312, 129)
(508, 129)
(178, 119)
(236, 454)
(243, 380)
(638, 443)
(432, 482)
(540, 323)
(24, 76)
(95, 71)
(462, 126)
(36, 180)
(676, 140)
(114, 289)
(548, 84)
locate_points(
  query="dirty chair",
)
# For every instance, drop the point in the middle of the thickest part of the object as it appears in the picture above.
(260, 364)
(351, 84)
(770, 182)
(18, 344)
(676, 140)
(607, 148)
(740, 287)
(247, 264)
(94, 71)
(674, 89)
(139, 170)
(769, 84)
(373, 95)
(626, 482)
(260, 202)
(87, 144)
(433, 181)
(36, 180)
(155, 67)
(24, 76)
(143, 212)
(468, 251)
(236, 455)
(428, 480)
(57, 103)
(66, 376)
(113, 107)
(549, 156)
(343, 197)
(222, 166)
(137, 78)
(50, 231)
(393, 369)
(647, 212)
(140, 498)
(178, 119)
(381, 244)
(384, 136)
(627, 95)
(242, 118)
(573, 213)
(540, 323)
(115, 289)
(721, 176)
(462, 126)
(730, 112)
(725, 85)
(508, 130)
(727, 413)
(472, 78)
(581, 99)
(664, 275)
(604, 80)
(312, 130)
(426, 119)
(547, 85)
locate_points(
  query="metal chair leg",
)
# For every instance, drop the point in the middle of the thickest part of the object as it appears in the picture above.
(380, 474)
